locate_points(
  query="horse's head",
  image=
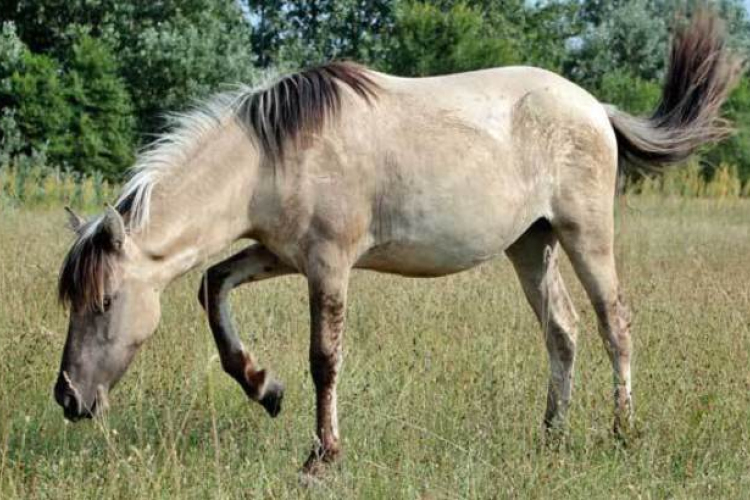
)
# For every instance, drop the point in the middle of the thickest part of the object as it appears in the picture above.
(113, 310)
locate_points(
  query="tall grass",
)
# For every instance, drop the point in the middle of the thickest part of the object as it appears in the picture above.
(690, 181)
(41, 187)
(442, 390)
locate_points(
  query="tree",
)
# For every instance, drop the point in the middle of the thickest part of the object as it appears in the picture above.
(314, 31)
(268, 30)
(736, 149)
(171, 64)
(79, 118)
(170, 51)
(630, 38)
(430, 40)
(35, 110)
(102, 120)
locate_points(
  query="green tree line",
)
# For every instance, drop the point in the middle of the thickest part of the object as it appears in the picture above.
(84, 83)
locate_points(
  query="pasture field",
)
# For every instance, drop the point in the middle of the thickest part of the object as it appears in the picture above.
(443, 387)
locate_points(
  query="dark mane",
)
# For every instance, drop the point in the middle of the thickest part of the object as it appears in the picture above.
(301, 103)
(85, 270)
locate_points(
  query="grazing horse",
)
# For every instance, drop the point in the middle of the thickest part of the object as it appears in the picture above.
(339, 167)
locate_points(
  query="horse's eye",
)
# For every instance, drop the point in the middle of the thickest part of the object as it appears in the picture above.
(106, 303)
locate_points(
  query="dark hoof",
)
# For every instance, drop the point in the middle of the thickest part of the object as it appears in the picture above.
(555, 438)
(271, 401)
(321, 461)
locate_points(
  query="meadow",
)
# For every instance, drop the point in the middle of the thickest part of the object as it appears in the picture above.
(443, 386)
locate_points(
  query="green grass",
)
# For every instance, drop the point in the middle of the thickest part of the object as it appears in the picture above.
(442, 392)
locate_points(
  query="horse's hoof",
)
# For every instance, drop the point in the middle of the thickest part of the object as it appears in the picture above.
(626, 434)
(272, 398)
(555, 436)
(320, 461)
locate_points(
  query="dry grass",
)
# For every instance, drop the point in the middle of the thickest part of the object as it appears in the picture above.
(442, 392)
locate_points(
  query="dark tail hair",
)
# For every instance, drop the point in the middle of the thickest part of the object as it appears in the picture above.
(701, 74)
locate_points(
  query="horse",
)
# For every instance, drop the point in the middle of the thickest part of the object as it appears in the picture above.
(339, 167)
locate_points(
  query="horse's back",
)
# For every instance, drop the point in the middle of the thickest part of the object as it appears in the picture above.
(519, 118)
(467, 162)
(495, 89)
(439, 174)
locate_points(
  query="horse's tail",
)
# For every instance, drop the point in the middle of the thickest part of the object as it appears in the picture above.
(702, 72)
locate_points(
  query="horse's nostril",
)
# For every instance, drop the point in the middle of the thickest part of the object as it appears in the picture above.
(66, 397)
(60, 392)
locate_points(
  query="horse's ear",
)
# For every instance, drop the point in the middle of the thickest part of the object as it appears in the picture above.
(113, 227)
(75, 221)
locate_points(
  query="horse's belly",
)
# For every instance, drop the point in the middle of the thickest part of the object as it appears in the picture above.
(432, 253)
(415, 260)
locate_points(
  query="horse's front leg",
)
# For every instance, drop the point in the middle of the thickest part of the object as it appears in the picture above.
(328, 276)
(254, 263)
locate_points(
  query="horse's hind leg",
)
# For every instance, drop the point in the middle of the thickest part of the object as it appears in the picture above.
(534, 257)
(254, 263)
(590, 247)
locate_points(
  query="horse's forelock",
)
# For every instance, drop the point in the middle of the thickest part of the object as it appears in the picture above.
(85, 270)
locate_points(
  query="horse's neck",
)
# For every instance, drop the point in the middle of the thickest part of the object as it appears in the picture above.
(198, 209)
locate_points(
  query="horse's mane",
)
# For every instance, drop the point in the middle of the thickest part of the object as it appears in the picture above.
(292, 107)
(284, 113)
(301, 103)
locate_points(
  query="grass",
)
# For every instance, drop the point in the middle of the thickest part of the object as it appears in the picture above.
(442, 392)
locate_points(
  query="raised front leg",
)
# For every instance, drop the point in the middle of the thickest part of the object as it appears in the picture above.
(328, 278)
(254, 263)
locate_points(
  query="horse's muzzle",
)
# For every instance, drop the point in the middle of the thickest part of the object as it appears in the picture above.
(67, 397)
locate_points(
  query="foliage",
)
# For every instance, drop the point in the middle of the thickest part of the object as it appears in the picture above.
(429, 40)
(635, 94)
(170, 52)
(736, 149)
(171, 64)
(39, 186)
(318, 30)
(35, 114)
(149, 58)
(102, 122)
(626, 37)
(80, 117)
